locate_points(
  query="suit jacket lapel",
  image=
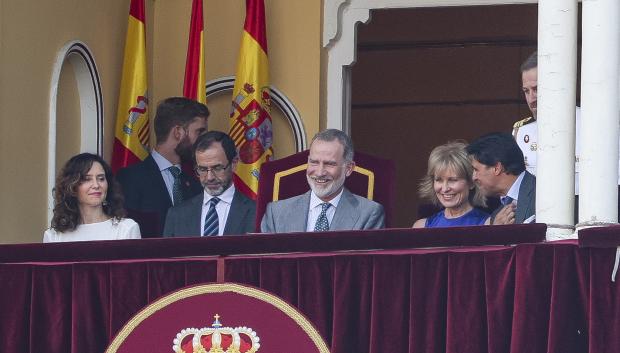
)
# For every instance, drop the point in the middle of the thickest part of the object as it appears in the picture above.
(158, 180)
(345, 216)
(298, 221)
(238, 209)
(525, 197)
(188, 185)
(194, 218)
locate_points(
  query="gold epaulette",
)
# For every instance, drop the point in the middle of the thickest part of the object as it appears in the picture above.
(522, 122)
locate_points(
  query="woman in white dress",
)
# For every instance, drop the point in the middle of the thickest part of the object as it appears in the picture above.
(88, 204)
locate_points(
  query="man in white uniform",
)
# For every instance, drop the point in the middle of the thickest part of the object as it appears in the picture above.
(525, 131)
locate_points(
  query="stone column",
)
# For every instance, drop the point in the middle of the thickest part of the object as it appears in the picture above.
(598, 164)
(557, 81)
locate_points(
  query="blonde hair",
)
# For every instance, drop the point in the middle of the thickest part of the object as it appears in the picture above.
(451, 155)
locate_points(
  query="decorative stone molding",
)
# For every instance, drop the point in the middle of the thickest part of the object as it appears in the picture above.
(293, 117)
(82, 61)
(340, 18)
(332, 12)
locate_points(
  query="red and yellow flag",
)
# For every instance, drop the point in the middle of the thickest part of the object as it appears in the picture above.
(132, 120)
(250, 119)
(194, 86)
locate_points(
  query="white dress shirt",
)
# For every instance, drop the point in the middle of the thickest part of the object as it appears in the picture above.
(163, 164)
(513, 192)
(315, 209)
(222, 208)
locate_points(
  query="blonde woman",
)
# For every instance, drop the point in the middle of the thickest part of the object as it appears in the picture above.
(448, 183)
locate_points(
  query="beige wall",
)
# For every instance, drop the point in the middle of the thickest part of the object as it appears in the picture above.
(293, 36)
(32, 32)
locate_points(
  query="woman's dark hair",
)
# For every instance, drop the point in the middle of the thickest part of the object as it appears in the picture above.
(66, 209)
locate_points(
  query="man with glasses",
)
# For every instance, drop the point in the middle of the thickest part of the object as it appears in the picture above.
(328, 205)
(220, 209)
(157, 183)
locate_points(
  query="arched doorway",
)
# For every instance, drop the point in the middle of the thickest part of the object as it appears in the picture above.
(76, 119)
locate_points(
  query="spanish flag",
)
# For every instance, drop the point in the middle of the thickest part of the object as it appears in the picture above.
(132, 121)
(250, 119)
(194, 86)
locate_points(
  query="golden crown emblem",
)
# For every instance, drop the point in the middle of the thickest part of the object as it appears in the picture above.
(216, 339)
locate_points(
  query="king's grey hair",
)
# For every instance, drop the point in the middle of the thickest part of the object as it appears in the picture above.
(335, 134)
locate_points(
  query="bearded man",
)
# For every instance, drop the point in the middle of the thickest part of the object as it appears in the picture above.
(328, 205)
(157, 183)
(220, 209)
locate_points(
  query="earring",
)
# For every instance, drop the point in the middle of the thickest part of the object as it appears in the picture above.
(104, 203)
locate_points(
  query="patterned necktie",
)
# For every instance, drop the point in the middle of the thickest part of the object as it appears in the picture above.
(212, 224)
(322, 224)
(506, 200)
(177, 192)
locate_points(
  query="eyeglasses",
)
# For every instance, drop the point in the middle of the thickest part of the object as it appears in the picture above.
(218, 169)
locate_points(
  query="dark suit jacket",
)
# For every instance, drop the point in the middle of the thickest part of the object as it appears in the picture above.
(526, 204)
(184, 220)
(145, 191)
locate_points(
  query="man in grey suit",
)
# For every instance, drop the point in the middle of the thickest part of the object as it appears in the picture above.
(499, 170)
(328, 205)
(220, 209)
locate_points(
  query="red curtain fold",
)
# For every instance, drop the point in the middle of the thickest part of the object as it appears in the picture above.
(566, 315)
(51, 309)
(466, 316)
(389, 313)
(352, 304)
(15, 307)
(128, 292)
(91, 299)
(429, 291)
(243, 270)
(316, 301)
(79, 307)
(282, 278)
(499, 279)
(532, 298)
(528, 298)
(603, 325)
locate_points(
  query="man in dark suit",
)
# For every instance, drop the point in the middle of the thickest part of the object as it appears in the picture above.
(499, 170)
(220, 209)
(157, 183)
(328, 205)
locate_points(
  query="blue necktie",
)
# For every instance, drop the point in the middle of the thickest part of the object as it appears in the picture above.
(212, 224)
(322, 224)
(506, 200)
(177, 192)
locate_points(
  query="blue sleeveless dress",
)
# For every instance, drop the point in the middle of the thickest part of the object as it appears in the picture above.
(472, 218)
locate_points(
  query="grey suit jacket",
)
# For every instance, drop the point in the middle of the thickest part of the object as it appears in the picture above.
(353, 212)
(526, 204)
(184, 220)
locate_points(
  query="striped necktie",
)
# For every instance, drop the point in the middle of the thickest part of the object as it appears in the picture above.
(322, 224)
(212, 224)
(177, 192)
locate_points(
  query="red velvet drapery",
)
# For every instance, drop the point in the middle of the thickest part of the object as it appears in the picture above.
(542, 297)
